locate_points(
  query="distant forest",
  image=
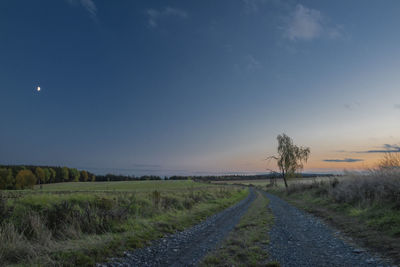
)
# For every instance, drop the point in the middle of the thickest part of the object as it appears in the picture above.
(27, 176)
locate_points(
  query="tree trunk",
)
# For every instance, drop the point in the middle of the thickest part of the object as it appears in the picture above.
(284, 179)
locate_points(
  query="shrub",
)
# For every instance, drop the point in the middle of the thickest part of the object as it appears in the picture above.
(25, 179)
(6, 179)
(40, 174)
(84, 176)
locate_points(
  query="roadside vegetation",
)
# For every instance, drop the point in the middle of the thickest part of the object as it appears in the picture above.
(69, 228)
(246, 245)
(365, 206)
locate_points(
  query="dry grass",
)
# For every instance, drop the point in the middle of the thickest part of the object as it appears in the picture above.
(376, 187)
(367, 190)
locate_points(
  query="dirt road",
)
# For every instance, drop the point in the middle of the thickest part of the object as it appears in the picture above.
(300, 239)
(187, 248)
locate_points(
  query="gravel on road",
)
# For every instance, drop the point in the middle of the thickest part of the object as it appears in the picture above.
(188, 247)
(300, 239)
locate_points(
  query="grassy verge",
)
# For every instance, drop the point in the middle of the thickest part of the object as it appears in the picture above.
(246, 244)
(354, 207)
(84, 228)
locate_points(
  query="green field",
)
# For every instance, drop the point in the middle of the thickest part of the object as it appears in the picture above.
(70, 224)
(132, 186)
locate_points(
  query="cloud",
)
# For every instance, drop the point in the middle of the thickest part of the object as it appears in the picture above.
(349, 160)
(397, 106)
(89, 5)
(154, 15)
(386, 148)
(308, 24)
(305, 24)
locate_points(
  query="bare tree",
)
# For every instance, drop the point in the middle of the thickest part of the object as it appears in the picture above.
(290, 157)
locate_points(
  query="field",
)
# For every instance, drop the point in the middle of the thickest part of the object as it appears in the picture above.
(80, 223)
(279, 181)
(123, 186)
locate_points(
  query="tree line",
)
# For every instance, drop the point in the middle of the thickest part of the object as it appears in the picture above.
(24, 177)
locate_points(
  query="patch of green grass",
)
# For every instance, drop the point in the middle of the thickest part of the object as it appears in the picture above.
(246, 244)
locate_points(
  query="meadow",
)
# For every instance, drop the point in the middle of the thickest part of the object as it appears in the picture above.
(122, 186)
(267, 182)
(69, 224)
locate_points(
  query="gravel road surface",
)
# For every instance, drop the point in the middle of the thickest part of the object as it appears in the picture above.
(300, 239)
(187, 248)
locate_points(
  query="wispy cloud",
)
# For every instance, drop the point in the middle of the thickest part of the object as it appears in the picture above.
(349, 160)
(155, 16)
(384, 149)
(89, 5)
(308, 24)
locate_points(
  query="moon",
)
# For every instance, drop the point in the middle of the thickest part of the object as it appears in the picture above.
(38, 89)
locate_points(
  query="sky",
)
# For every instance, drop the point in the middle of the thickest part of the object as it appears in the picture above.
(198, 87)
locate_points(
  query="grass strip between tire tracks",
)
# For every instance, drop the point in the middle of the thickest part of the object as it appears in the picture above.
(246, 245)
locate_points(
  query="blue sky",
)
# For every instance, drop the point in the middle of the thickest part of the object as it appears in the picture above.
(186, 87)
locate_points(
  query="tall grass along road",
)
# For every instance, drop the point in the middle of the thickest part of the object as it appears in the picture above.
(64, 226)
(187, 248)
(300, 239)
